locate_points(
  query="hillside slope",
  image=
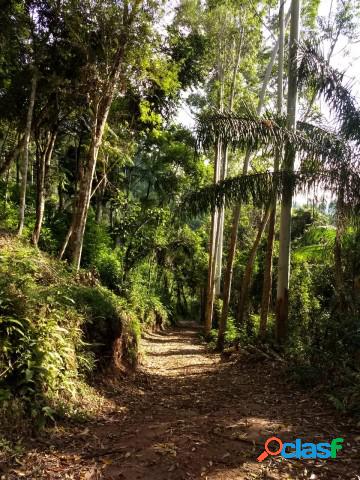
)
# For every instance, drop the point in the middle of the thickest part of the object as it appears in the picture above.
(56, 330)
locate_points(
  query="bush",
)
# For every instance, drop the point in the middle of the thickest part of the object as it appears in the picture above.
(321, 334)
(109, 267)
(54, 331)
(145, 302)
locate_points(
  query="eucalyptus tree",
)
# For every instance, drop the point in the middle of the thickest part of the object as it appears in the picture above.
(45, 138)
(25, 152)
(234, 46)
(309, 14)
(282, 297)
(267, 282)
(237, 209)
(321, 154)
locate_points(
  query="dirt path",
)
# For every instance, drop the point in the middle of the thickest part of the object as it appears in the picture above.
(188, 415)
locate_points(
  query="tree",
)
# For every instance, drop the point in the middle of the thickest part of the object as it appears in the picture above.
(119, 32)
(44, 150)
(228, 64)
(282, 298)
(25, 153)
(267, 283)
(237, 214)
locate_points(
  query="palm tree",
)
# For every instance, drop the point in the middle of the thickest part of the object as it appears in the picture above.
(325, 160)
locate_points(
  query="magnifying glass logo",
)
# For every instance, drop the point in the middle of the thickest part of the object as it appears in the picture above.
(267, 451)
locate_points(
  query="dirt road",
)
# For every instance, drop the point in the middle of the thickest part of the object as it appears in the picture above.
(190, 415)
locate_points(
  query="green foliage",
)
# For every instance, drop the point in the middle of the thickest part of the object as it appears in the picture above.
(324, 341)
(316, 244)
(55, 332)
(145, 262)
(107, 318)
(96, 241)
(309, 12)
(109, 266)
(317, 73)
(40, 332)
(232, 332)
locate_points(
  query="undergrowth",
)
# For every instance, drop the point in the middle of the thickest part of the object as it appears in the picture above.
(56, 332)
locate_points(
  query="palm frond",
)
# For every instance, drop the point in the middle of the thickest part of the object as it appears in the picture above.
(314, 144)
(316, 72)
(261, 188)
(328, 149)
(317, 252)
(316, 244)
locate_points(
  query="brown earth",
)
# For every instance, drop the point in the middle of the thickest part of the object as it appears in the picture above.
(188, 415)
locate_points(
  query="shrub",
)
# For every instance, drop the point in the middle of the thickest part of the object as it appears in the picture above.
(54, 331)
(109, 267)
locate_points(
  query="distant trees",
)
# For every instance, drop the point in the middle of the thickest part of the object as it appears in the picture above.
(25, 153)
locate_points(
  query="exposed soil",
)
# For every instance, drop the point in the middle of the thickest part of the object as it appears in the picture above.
(190, 415)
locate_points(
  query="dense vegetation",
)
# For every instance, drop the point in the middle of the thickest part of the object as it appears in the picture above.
(116, 217)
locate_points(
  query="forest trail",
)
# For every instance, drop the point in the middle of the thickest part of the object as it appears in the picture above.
(190, 415)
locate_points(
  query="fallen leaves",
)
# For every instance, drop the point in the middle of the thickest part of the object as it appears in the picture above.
(166, 449)
(215, 419)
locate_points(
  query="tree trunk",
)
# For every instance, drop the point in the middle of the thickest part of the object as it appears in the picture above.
(42, 175)
(82, 204)
(228, 278)
(245, 284)
(277, 47)
(339, 275)
(266, 292)
(6, 193)
(11, 156)
(25, 159)
(99, 208)
(100, 199)
(209, 306)
(61, 197)
(267, 285)
(225, 166)
(213, 265)
(287, 193)
(220, 228)
(18, 159)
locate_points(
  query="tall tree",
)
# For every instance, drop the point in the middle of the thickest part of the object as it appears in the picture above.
(237, 43)
(236, 215)
(267, 282)
(25, 153)
(119, 31)
(282, 298)
(44, 151)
